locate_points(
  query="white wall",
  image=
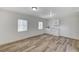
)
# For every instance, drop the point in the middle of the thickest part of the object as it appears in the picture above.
(68, 26)
(8, 26)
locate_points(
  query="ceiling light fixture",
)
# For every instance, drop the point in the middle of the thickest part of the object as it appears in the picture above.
(34, 8)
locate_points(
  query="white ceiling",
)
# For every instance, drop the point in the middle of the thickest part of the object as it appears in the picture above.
(44, 12)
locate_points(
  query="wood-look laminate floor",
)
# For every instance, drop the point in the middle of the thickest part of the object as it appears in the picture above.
(41, 43)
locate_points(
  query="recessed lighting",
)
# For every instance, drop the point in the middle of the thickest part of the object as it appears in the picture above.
(34, 8)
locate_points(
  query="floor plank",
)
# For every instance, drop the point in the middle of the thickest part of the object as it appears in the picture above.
(42, 43)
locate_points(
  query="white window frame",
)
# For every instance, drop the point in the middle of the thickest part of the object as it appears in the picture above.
(22, 25)
(40, 25)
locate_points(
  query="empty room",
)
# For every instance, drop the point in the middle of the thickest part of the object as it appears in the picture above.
(39, 29)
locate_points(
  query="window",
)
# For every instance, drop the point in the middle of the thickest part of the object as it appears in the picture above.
(40, 25)
(22, 25)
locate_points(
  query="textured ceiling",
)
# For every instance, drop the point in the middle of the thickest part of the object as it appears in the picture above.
(44, 12)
